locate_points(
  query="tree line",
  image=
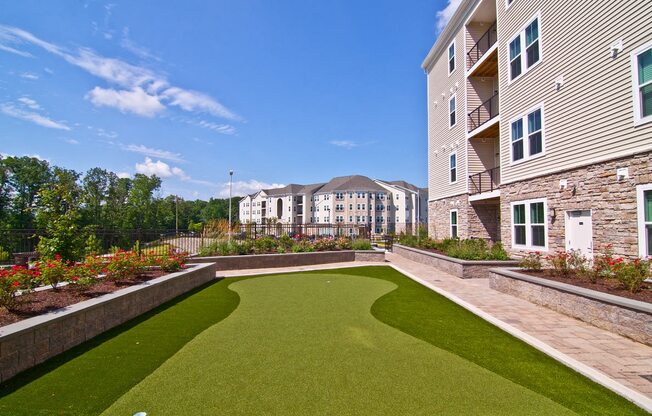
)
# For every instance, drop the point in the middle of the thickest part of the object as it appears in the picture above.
(37, 195)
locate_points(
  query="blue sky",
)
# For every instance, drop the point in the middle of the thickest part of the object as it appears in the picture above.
(280, 92)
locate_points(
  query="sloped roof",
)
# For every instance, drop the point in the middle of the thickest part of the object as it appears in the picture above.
(406, 185)
(312, 188)
(292, 188)
(351, 183)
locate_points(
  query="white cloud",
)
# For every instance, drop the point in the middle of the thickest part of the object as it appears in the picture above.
(158, 168)
(48, 70)
(445, 15)
(196, 101)
(156, 153)
(16, 51)
(135, 101)
(347, 144)
(11, 111)
(217, 127)
(71, 141)
(30, 103)
(242, 188)
(29, 75)
(123, 175)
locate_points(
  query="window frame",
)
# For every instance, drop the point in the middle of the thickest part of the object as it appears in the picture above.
(450, 168)
(640, 218)
(526, 135)
(639, 119)
(456, 225)
(448, 60)
(521, 33)
(528, 224)
(453, 97)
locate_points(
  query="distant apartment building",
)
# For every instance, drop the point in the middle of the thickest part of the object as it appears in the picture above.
(382, 206)
(540, 125)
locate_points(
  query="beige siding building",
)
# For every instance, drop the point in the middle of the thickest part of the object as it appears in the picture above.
(557, 110)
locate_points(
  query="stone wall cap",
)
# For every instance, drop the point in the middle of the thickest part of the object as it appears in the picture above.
(633, 304)
(460, 261)
(50, 317)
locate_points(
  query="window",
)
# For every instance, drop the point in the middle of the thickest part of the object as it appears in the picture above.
(350, 206)
(451, 58)
(451, 113)
(453, 168)
(529, 227)
(453, 223)
(642, 80)
(522, 147)
(528, 42)
(644, 200)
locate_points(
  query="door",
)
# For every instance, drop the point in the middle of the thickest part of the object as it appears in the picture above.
(579, 232)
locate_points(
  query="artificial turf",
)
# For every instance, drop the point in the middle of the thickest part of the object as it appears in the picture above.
(351, 341)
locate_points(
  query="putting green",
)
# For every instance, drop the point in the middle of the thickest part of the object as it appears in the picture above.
(308, 344)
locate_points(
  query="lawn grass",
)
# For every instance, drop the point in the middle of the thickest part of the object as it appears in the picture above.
(349, 341)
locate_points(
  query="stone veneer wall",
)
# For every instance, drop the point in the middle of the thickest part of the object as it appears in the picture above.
(263, 261)
(594, 187)
(480, 219)
(623, 316)
(29, 342)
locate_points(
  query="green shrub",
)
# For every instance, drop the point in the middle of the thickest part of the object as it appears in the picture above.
(497, 252)
(4, 255)
(325, 244)
(632, 274)
(265, 244)
(531, 262)
(559, 263)
(93, 246)
(303, 247)
(360, 244)
(53, 271)
(344, 243)
(286, 242)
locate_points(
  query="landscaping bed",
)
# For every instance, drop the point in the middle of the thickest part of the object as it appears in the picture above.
(282, 245)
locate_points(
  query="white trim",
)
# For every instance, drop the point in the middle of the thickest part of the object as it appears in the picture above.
(638, 120)
(457, 223)
(484, 57)
(486, 125)
(485, 195)
(528, 224)
(521, 34)
(526, 143)
(440, 198)
(508, 4)
(451, 98)
(584, 369)
(448, 58)
(450, 168)
(640, 211)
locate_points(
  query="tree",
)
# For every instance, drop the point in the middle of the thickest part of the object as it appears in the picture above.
(25, 177)
(95, 186)
(140, 202)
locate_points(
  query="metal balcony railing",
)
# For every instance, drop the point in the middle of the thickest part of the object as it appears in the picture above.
(487, 181)
(485, 112)
(483, 44)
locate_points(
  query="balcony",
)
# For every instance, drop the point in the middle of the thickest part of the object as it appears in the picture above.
(482, 46)
(487, 182)
(485, 112)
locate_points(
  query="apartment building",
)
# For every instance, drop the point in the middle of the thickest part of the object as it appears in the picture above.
(540, 125)
(383, 206)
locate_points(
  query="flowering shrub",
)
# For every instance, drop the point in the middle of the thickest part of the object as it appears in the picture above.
(604, 264)
(632, 275)
(559, 263)
(53, 271)
(265, 244)
(531, 262)
(14, 279)
(343, 243)
(172, 263)
(325, 244)
(123, 265)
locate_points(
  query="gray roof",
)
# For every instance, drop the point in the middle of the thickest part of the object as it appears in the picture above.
(406, 185)
(312, 188)
(351, 183)
(292, 188)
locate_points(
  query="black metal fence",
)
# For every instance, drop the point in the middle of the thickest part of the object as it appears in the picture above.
(483, 44)
(485, 112)
(253, 230)
(486, 181)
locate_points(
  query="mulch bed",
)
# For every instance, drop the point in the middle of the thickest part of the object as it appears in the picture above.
(38, 303)
(611, 287)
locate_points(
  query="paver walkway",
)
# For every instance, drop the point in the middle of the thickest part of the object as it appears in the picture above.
(620, 358)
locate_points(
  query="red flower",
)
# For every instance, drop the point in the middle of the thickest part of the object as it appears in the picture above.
(15, 284)
(57, 257)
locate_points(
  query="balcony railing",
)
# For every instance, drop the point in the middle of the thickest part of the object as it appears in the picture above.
(485, 112)
(487, 181)
(483, 44)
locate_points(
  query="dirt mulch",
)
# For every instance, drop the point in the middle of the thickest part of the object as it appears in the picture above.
(611, 287)
(38, 303)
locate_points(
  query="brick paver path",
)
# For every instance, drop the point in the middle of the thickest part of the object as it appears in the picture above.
(618, 357)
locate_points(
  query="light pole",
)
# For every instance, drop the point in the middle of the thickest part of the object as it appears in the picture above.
(230, 197)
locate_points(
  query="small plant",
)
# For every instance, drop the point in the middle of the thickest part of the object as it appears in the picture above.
(53, 271)
(15, 279)
(497, 252)
(531, 262)
(360, 244)
(559, 263)
(93, 246)
(603, 265)
(325, 244)
(632, 275)
(265, 244)
(578, 263)
(303, 246)
(286, 242)
(343, 243)
(124, 265)
(4, 255)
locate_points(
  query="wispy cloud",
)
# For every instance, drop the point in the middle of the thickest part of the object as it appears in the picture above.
(217, 127)
(29, 75)
(28, 102)
(242, 188)
(445, 15)
(16, 51)
(149, 89)
(139, 51)
(11, 110)
(347, 144)
(156, 153)
(135, 101)
(71, 141)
